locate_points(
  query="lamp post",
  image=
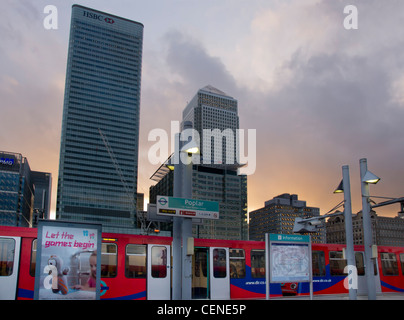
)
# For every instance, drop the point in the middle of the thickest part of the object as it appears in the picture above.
(182, 227)
(366, 178)
(345, 187)
(177, 224)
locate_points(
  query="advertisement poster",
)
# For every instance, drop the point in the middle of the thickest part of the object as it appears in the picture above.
(68, 261)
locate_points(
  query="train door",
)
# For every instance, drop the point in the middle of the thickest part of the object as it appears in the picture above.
(158, 272)
(9, 262)
(219, 269)
(200, 274)
(362, 281)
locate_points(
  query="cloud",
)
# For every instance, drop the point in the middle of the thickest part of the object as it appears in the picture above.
(33, 65)
(318, 95)
(172, 75)
(187, 58)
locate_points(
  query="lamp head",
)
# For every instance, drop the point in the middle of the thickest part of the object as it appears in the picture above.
(190, 147)
(370, 178)
(170, 163)
(340, 188)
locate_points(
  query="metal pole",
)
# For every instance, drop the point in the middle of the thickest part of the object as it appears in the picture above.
(267, 286)
(177, 224)
(186, 228)
(311, 269)
(186, 260)
(348, 227)
(367, 232)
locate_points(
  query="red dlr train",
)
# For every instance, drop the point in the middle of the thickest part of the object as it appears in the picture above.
(139, 267)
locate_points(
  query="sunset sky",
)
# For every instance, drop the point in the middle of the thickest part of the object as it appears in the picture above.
(318, 95)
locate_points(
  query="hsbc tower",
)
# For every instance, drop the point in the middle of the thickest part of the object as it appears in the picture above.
(100, 127)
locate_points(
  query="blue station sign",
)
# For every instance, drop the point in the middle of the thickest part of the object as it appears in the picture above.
(187, 208)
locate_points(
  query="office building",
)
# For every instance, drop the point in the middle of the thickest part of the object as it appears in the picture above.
(278, 216)
(42, 201)
(215, 179)
(213, 184)
(214, 115)
(230, 190)
(164, 186)
(386, 231)
(16, 190)
(24, 194)
(98, 167)
(140, 201)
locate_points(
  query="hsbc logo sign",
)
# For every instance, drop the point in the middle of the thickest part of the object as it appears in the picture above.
(99, 17)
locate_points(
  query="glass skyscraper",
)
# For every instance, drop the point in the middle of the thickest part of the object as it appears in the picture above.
(216, 179)
(16, 190)
(212, 109)
(100, 128)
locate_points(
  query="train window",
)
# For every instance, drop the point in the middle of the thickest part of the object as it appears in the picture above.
(337, 263)
(258, 263)
(402, 262)
(135, 261)
(360, 263)
(237, 263)
(33, 259)
(201, 263)
(389, 264)
(159, 261)
(109, 258)
(7, 247)
(375, 266)
(219, 263)
(318, 262)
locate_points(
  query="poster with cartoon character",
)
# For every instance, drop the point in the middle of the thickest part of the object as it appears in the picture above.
(68, 261)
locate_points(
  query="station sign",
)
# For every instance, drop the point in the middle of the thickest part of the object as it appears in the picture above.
(289, 238)
(187, 208)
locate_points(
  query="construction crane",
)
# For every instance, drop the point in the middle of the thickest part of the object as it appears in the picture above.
(140, 217)
(115, 163)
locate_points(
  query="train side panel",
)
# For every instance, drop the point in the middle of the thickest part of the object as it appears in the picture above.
(124, 268)
(26, 280)
(391, 267)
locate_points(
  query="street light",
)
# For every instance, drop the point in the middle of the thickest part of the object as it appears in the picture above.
(312, 224)
(340, 188)
(182, 227)
(370, 177)
(190, 148)
(366, 178)
(345, 187)
(177, 224)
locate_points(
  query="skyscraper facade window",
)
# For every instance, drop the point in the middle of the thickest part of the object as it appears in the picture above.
(100, 128)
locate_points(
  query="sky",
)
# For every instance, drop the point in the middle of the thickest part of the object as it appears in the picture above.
(319, 95)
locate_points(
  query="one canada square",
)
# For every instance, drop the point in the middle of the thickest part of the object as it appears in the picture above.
(100, 129)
